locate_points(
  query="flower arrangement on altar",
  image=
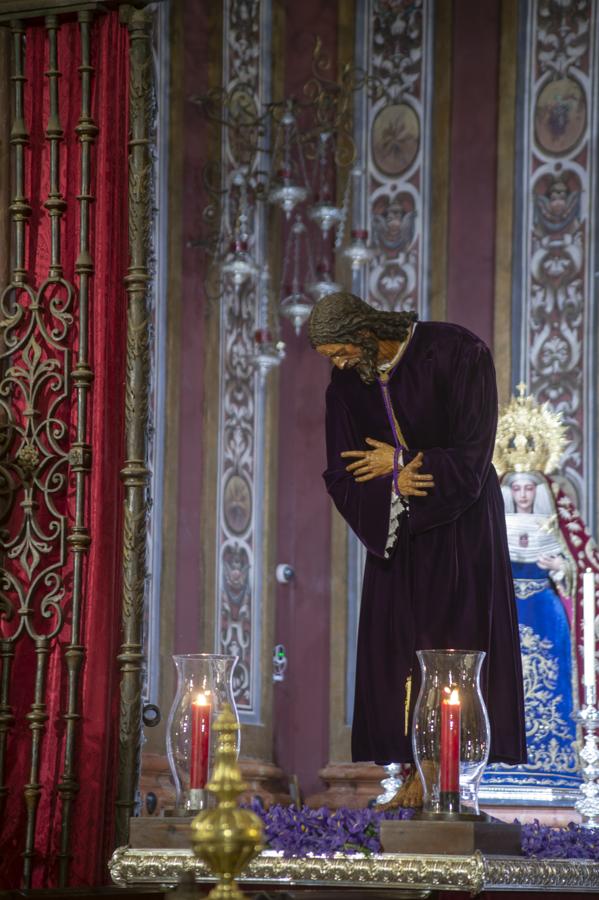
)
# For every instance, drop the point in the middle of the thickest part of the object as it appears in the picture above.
(322, 832)
(300, 831)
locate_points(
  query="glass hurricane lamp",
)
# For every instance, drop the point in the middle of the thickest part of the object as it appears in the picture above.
(451, 733)
(204, 687)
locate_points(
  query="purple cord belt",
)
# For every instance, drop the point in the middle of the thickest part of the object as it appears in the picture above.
(399, 448)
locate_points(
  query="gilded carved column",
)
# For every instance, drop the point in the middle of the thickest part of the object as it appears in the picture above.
(135, 473)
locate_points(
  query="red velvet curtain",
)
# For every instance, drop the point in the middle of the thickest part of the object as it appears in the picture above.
(97, 735)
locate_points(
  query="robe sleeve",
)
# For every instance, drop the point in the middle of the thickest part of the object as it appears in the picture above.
(461, 469)
(366, 507)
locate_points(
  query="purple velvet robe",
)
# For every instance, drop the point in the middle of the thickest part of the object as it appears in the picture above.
(448, 582)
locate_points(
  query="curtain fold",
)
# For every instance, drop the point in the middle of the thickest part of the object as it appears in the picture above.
(96, 743)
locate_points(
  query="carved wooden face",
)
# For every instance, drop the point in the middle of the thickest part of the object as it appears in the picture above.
(344, 356)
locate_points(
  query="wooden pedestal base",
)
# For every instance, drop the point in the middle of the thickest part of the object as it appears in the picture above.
(352, 785)
(263, 779)
(492, 838)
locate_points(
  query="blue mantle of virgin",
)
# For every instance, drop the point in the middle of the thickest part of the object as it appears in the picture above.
(546, 647)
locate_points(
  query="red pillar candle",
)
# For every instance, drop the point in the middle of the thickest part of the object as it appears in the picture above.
(200, 741)
(450, 744)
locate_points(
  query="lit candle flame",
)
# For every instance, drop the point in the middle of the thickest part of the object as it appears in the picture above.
(454, 696)
(202, 699)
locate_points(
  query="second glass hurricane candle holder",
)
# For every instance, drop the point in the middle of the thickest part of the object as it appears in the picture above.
(451, 733)
(204, 686)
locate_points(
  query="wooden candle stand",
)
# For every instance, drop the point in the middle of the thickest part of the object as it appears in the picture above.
(457, 833)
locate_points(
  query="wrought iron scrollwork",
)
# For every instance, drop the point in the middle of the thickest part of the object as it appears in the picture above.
(45, 455)
(42, 468)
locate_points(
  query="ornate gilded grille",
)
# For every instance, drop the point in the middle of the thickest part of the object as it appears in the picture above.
(45, 459)
(45, 454)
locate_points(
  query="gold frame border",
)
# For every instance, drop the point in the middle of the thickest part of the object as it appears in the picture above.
(425, 872)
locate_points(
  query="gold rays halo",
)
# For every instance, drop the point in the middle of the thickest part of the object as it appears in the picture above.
(530, 436)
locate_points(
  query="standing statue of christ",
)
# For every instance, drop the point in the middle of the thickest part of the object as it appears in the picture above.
(411, 413)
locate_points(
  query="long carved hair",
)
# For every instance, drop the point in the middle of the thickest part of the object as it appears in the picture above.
(342, 318)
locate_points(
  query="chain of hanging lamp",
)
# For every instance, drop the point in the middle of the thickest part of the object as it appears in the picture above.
(309, 142)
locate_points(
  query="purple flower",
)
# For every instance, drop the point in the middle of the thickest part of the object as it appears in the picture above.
(571, 842)
(297, 832)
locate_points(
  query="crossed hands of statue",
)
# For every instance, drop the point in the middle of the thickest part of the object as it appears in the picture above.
(379, 461)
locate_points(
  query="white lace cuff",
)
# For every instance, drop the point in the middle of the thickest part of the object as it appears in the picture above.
(399, 505)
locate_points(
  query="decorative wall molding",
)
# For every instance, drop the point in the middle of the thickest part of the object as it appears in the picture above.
(554, 269)
(157, 308)
(246, 70)
(397, 51)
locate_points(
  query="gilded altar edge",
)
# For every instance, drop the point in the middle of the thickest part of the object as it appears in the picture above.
(473, 873)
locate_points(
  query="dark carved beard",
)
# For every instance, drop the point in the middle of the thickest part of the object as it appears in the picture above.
(366, 368)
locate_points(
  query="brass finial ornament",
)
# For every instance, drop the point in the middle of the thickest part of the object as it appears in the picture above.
(530, 436)
(227, 837)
